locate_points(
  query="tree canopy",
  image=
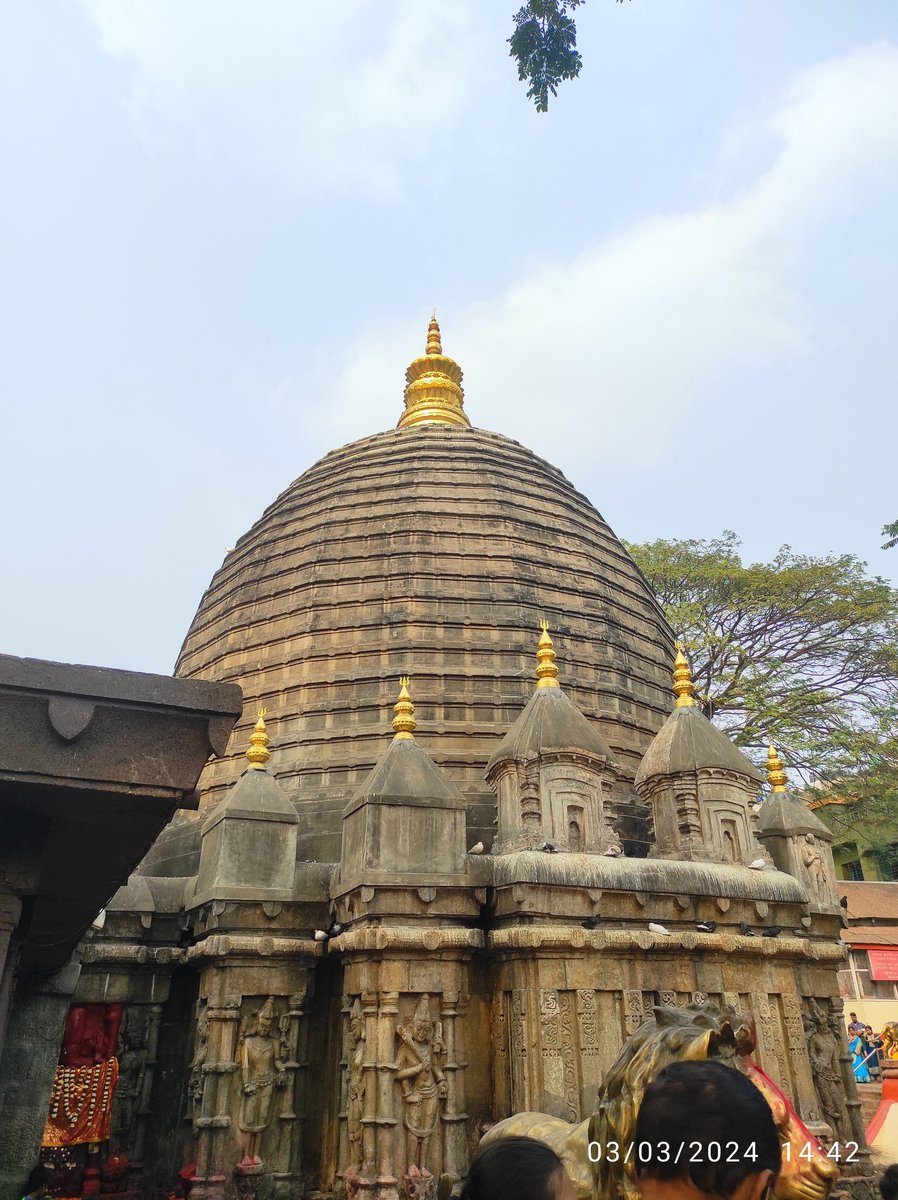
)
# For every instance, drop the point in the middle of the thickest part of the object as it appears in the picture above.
(544, 45)
(801, 650)
(890, 531)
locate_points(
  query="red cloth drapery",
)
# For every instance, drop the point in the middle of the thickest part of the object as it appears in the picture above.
(81, 1104)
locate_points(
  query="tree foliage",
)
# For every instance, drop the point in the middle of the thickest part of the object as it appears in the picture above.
(890, 531)
(544, 44)
(800, 650)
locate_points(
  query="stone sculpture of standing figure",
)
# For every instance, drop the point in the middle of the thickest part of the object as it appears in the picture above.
(355, 1098)
(260, 1071)
(421, 1080)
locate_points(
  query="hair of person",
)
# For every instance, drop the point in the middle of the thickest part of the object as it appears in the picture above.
(717, 1115)
(39, 1177)
(888, 1183)
(513, 1168)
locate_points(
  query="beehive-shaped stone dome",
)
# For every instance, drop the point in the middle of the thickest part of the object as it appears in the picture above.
(432, 550)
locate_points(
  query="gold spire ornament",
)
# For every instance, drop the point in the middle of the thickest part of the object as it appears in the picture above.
(776, 776)
(258, 752)
(546, 670)
(404, 722)
(433, 391)
(682, 681)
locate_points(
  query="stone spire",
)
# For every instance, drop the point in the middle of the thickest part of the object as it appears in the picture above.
(552, 772)
(404, 722)
(433, 391)
(258, 752)
(546, 670)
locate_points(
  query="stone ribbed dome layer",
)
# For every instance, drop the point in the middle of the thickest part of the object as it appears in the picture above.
(431, 551)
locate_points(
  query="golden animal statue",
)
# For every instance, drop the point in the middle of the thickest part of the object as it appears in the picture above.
(889, 1037)
(693, 1032)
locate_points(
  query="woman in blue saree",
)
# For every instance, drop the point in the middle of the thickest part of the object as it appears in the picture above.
(859, 1051)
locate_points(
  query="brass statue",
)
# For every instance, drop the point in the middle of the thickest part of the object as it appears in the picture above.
(889, 1037)
(697, 1031)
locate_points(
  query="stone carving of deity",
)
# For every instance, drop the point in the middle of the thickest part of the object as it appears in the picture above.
(355, 1099)
(812, 860)
(421, 1080)
(132, 1058)
(261, 1070)
(823, 1050)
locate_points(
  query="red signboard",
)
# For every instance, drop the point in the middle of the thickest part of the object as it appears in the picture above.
(883, 962)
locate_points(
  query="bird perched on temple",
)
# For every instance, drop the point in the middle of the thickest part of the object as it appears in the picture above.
(773, 931)
(477, 848)
(320, 935)
(654, 927)
(745, 929)
(548, 848)
(758, 865)
(706, 927)
(614, 851)
(334, 929)
(592, 922)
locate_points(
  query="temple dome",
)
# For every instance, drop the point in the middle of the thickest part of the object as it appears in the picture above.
(432, 550)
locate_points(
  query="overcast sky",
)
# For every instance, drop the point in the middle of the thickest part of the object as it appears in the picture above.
(224, 226)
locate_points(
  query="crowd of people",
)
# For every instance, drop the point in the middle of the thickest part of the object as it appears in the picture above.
(866, 1049)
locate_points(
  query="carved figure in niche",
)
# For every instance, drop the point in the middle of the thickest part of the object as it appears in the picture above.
(132, 1060)
(355, 1097)
(199, 1058)
(812, 860)
(421, 1080)
(261, 1070)
(889, 1037)
(823, 1049)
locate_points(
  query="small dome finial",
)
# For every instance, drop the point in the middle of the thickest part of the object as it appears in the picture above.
(546, 670)
(404, 722)
(682, 681)
(776, 776)
(433, 391)
(258, 752)
(434, 344)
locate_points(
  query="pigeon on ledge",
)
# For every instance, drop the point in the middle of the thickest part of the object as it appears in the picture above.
(758, 865)
(773, 931)
(320, 935)
(548, 848)
(477, 848)
(654, 927)
(592, 922)
(706, 927)
(745, 929)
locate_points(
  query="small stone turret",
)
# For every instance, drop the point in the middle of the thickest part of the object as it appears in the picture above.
(248, 848)
(797, 840)
(552, 773)
(698, 785)
(406, 821)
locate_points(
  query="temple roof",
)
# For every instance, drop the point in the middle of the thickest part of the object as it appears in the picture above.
(431, 549)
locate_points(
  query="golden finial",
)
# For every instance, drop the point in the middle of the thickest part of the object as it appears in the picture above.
(258, 752)
(434, 345)
(404, 722)
(682, 681)
(433, 391)
(546, 671)
(776, 776)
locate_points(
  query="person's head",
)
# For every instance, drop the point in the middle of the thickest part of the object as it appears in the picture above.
(888, 1183)
(868, 1029)
(516, 1168)
(853, 1016)
(38, 1182)
(728, 1143)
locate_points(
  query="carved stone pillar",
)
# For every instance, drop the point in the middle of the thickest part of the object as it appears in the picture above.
(452, 1007)
(386, 1112)
(220, 1064)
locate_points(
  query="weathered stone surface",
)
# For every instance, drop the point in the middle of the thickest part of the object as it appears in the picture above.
(431, 551)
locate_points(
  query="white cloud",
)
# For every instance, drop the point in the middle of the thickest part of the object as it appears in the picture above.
(332, 96)
(598, 356)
